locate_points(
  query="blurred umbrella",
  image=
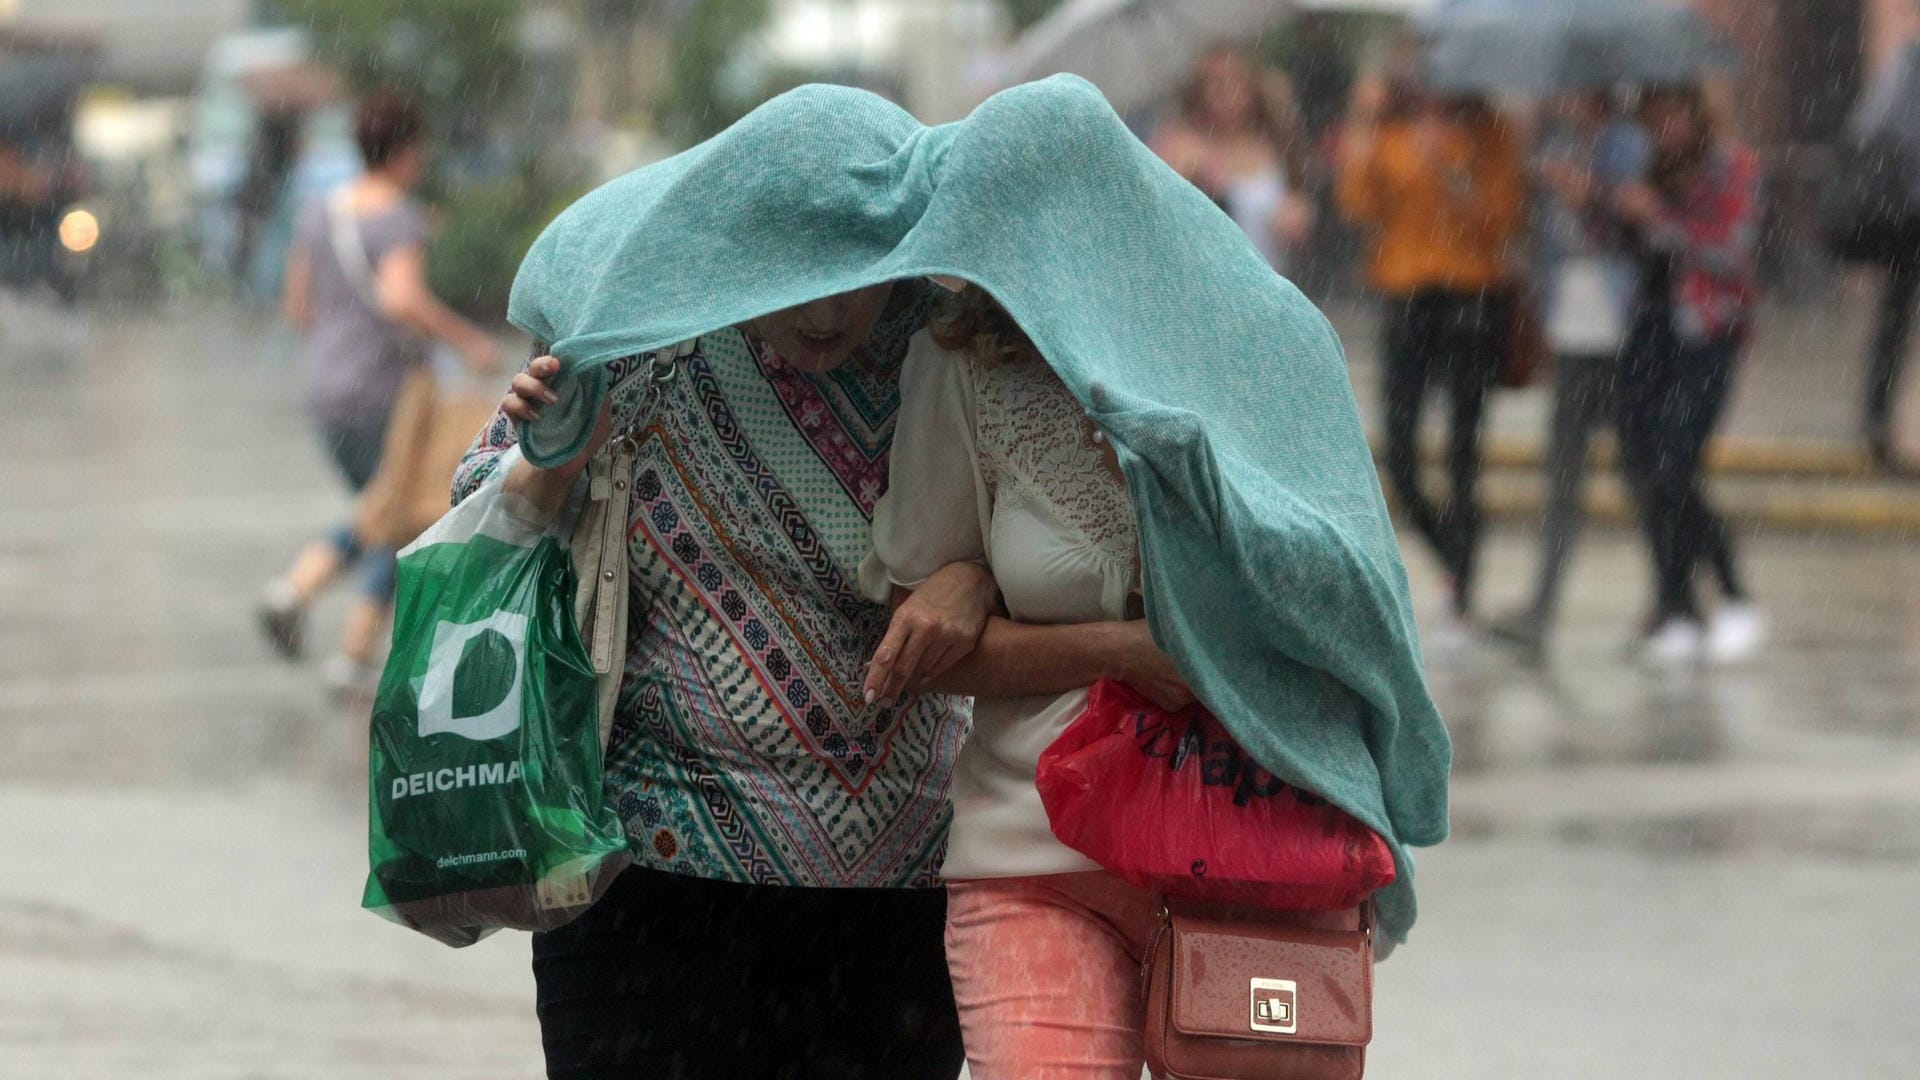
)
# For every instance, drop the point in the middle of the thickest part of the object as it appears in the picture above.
(1544, 46)
(1138, 51)
(291, 87)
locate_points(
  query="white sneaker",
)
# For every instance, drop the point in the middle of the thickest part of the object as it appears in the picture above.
(1675, 643)
(1737, 634)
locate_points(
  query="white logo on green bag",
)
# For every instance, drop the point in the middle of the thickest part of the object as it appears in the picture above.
(474, 677)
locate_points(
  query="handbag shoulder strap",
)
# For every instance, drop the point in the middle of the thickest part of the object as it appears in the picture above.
(349, 251)
(598, 544)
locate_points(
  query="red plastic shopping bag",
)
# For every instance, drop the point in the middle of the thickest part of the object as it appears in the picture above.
(1169, 802)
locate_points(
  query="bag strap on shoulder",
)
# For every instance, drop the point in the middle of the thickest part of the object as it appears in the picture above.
(598, 545)
(349, 251)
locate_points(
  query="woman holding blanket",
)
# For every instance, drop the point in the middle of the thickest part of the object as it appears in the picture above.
(778, 921)
(765, 784)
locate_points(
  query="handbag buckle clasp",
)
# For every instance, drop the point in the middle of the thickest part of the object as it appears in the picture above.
(1274, 1006)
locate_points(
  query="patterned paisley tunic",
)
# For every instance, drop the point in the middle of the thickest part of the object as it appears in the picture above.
(742, 749)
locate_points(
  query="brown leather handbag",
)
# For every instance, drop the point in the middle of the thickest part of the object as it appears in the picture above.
(1521, 336)
(1237, 993)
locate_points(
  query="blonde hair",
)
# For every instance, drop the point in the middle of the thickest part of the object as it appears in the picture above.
(973, 323)
(1276, 109)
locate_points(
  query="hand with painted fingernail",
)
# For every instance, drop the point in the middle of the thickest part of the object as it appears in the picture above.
(529, 393)
(934, 627)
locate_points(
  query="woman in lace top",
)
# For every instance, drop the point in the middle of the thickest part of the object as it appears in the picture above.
(996, 462)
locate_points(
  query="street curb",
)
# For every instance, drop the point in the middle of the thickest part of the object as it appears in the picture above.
(1793, 485)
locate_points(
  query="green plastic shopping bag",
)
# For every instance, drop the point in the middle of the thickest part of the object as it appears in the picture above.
(486, 806)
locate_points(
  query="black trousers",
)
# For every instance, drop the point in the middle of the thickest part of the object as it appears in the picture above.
(1890, 340)
(1442, 337)
(1584, 400)
(1672, 395)
(671, 977)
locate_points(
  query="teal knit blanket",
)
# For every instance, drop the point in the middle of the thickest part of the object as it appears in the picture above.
(1271, 569)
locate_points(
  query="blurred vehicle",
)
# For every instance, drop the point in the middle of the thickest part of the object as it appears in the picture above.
(42, 179)
(268, 132)
(118, 240)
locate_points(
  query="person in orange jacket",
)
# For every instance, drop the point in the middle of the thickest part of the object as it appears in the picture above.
(1440, 184)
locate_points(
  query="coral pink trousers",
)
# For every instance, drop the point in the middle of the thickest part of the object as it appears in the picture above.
(1046, 971)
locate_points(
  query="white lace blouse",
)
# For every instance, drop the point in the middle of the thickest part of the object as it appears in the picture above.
(1000, 464)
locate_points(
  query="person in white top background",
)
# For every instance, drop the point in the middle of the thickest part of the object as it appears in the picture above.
(995, 462)
(1237, 136)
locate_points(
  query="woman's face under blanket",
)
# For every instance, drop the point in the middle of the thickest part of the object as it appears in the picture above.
(819, 335)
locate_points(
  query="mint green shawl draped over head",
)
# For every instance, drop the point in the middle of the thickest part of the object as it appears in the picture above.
(1272, 575)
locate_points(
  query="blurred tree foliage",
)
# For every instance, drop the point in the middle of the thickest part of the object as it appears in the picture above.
(462, 60)
(705, 37)
(459, 57)
(1323, 52)
(1024, 13)
(483, 233)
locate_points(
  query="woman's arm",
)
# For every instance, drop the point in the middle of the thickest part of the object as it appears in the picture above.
(401, 286)
(929, 530)
(1012, 659)
(547, 489)
(296, 294)
(1720, 236)
(933, 627)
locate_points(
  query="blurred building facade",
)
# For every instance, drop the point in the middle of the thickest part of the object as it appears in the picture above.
(154, 46)
(1805, 62)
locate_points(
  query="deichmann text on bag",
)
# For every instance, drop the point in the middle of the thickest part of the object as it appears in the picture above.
(426, 783)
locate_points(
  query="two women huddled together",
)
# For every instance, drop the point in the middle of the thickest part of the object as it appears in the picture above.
(964, 420)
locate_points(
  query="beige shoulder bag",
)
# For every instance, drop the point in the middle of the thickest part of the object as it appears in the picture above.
(599, 537)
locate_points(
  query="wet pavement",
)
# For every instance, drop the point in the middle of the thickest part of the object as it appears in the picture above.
(1709, 874)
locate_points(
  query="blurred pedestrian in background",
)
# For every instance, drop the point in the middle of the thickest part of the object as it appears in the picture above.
(1237, 137)
(263, 192)
(1693, 223)
(356, 288)
(1441, 185)
(1890, 112)
(26, 234)
(1587, 279)
(40, 175)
